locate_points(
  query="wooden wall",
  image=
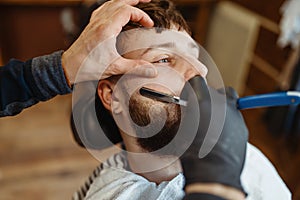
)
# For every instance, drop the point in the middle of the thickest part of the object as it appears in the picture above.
(270, 65)
(28, 30)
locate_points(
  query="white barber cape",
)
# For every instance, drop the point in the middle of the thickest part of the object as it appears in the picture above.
(259, 178)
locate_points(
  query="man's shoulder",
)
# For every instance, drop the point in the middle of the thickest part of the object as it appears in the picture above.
(116, 181)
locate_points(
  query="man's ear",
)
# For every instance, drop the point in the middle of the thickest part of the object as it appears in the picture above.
(105, 90)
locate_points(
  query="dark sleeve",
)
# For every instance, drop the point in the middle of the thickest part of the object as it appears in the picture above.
(201, 196)
(23, 84)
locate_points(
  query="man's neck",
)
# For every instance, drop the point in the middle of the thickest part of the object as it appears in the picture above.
(154, 168)
(171, 168)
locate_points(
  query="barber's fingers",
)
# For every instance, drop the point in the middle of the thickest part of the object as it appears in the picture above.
(119, 13)
(139, 16)
(106, 22)
(136, 67)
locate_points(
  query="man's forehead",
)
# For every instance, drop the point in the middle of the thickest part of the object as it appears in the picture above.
(169, 39)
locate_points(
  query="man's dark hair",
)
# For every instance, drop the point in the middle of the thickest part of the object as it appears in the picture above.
(164, 15)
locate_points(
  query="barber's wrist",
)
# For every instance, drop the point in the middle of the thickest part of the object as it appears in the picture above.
(215, 189)
(65, 65)
(71, 61)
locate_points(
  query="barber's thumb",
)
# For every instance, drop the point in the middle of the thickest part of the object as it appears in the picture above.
(137, 67)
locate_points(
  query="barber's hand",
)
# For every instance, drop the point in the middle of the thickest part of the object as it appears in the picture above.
(105, 24)
(224, 163)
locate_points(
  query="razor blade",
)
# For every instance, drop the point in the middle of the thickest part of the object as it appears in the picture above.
(160, 96)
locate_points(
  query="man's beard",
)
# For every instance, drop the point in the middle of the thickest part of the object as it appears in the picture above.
(139, 111)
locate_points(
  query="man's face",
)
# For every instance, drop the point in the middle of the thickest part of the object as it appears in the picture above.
(175, 51)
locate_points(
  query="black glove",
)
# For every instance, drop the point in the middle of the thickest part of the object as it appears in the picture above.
(224, 163)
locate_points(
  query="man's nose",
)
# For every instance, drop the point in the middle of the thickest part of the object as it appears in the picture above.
(187, 71)
(190, 73)
(190, 67)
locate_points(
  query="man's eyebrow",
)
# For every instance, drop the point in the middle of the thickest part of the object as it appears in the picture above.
(168, 45)
(164, 45)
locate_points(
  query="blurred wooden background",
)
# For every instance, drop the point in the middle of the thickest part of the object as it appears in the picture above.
(38, 156)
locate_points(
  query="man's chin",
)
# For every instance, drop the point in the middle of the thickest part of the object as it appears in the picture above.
(159, 142)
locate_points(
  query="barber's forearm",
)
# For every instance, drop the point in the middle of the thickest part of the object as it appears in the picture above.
(23, 84)
(214, 190)
(15, 93)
